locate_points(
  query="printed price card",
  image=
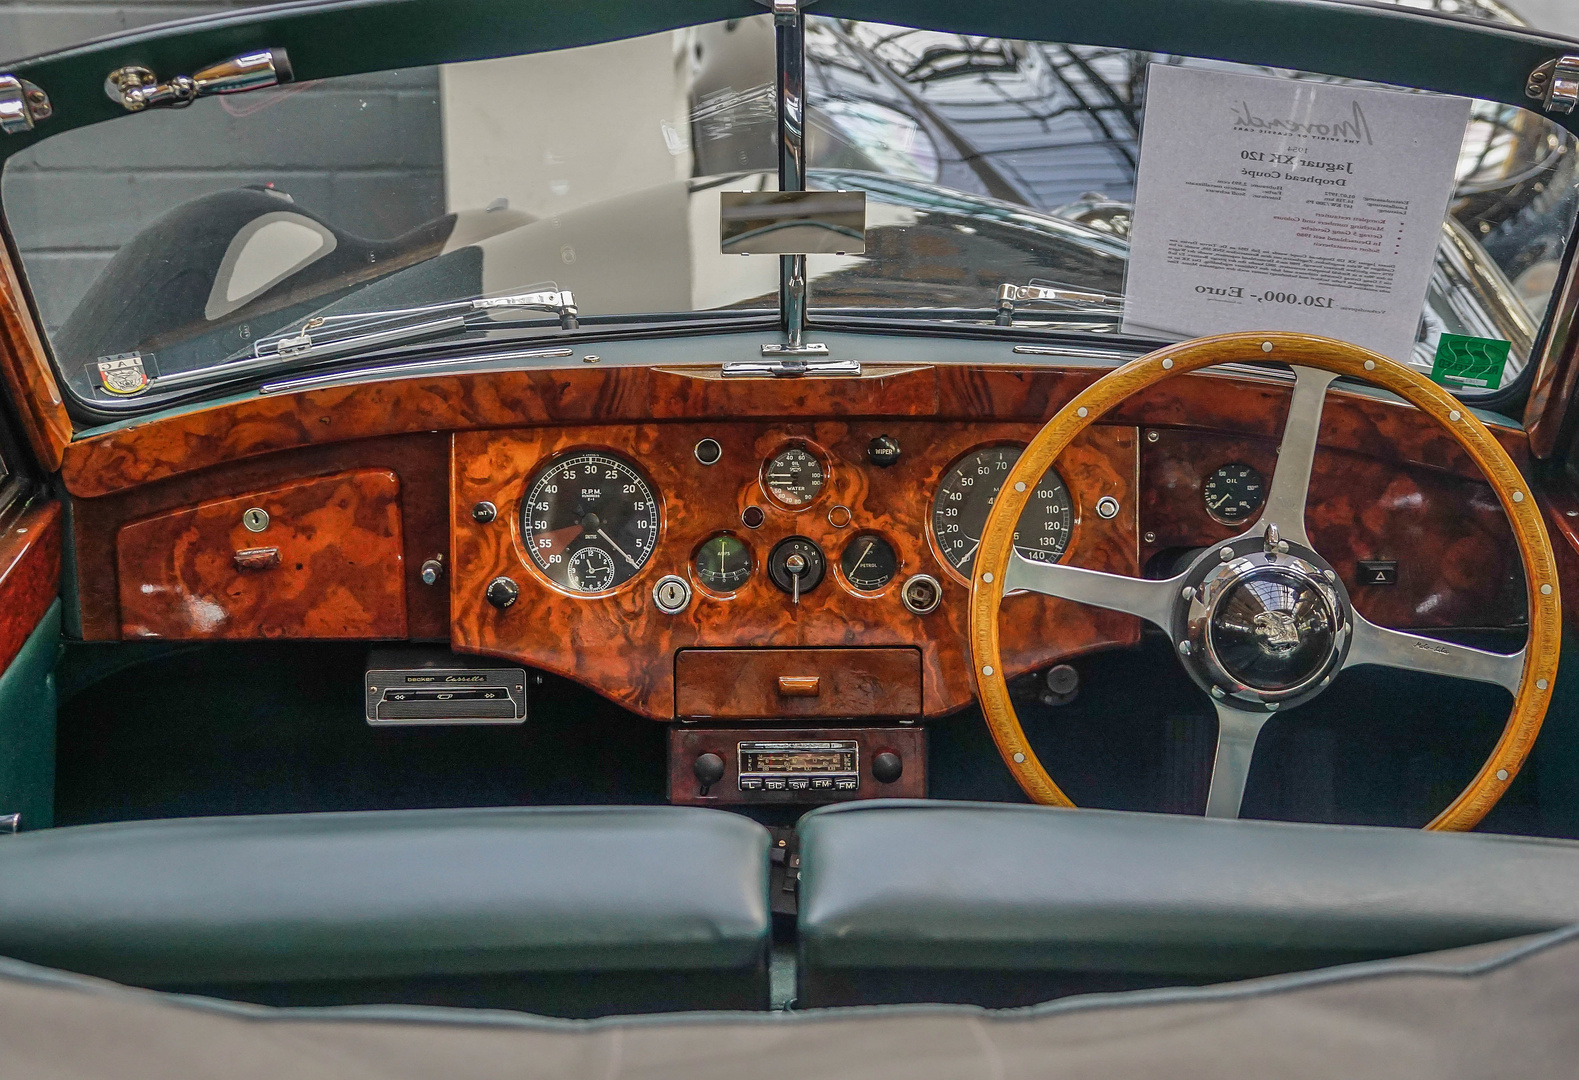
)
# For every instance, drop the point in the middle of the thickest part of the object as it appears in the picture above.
(1268, 203)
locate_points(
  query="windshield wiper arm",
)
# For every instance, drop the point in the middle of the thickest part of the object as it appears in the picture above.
(1079, 299)
(336, 335)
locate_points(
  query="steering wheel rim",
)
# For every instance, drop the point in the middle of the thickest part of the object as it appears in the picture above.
(1175, 604)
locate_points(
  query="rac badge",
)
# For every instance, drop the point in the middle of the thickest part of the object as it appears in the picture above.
(123, 375)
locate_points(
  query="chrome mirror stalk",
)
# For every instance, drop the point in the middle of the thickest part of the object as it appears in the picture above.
(137, 88)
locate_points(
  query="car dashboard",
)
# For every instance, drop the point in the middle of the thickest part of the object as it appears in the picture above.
(736, 555)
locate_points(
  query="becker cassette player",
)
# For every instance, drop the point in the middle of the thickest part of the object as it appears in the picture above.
(445, 696)
(825, 765)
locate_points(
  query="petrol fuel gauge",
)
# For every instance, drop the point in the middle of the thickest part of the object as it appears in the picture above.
(869, 562)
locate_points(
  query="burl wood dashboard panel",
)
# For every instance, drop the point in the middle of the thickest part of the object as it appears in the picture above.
(326, 562)
(624, 646)
(744, 684)
(1457, 561)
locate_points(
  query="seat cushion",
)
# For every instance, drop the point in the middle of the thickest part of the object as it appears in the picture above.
(499, 906)
(1006, 905)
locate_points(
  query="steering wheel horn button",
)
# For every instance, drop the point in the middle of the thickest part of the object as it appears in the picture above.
(1264, 628)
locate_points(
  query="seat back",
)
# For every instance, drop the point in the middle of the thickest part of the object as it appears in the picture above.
(1002, 905)
(571, 911)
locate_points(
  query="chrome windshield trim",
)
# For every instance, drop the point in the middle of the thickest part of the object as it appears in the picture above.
(1075, 352)
(384, 373)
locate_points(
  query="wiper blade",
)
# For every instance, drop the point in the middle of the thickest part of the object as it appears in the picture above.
(338, 335)
(1038, 293)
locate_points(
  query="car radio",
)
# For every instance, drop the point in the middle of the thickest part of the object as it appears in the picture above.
(714, 766)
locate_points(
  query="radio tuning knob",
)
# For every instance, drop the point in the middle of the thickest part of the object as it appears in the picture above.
(502, 592)
(709, 770)
(887, 767)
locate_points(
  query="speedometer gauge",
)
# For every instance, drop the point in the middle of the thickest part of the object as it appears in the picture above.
(965, 497)
(590, 521)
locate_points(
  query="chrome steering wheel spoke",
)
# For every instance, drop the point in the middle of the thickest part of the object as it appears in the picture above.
(1152, 600)
(1237, 732)
(1378, 645)
(1285, 502)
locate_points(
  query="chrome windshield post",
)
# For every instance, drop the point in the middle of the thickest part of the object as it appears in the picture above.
(789, 31)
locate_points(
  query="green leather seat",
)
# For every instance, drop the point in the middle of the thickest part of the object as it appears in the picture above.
(1002, 905)
(570, 911)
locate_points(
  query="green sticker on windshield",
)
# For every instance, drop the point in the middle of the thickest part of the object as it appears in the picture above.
(1470, 361)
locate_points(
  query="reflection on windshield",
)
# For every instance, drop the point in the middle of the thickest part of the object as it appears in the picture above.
(229, 227)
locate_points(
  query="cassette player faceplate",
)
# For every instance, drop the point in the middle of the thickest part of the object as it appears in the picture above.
(445, 696)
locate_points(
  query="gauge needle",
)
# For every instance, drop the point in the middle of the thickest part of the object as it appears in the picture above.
(1218, 504)
(869, 546)
(619, 549)
(968, 554)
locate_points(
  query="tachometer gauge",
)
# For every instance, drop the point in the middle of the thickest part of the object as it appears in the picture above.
(590, 521)
(1233, 493)
(965, 497)
(869, 562)
(723, 563)
(794, 476)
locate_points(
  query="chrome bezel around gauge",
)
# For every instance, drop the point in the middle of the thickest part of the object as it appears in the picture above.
(1311, 642)
(960, 571)
(636, 552)
(780, 496)
(720, 587)
(857, 546)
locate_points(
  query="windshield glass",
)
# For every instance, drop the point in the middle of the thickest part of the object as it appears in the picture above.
(269, 231)
(1015, 162)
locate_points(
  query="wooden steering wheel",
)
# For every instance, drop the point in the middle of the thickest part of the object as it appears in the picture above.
(1262, 622)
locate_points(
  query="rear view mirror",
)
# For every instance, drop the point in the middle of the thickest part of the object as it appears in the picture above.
(792, 222)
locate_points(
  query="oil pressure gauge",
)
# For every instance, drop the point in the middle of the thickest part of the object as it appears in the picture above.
(794, 476)
(1234, 493)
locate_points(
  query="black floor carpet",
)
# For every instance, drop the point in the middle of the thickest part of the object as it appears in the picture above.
(274, 728)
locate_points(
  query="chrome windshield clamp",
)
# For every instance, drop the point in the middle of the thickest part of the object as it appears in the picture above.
(22, 105)
(806, 348)
(1011, 295)
(1555, 84)
(137, 88)
(788, 369)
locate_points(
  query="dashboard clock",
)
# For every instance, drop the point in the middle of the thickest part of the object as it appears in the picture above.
(1234, 493)
(590, 521)
(794, 476)
(869, 562)
(723, 563)
(965, 496)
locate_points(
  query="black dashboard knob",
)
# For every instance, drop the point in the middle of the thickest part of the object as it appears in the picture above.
(484, 512)
(883, 451)
(887, 767)
(709, 769)
(502, 592)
